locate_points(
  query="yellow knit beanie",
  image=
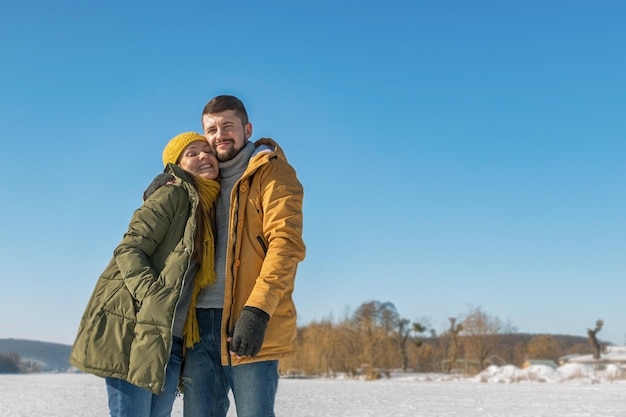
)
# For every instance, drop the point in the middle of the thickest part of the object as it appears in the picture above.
(177, 145)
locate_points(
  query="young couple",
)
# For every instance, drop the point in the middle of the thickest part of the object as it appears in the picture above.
(199, 291)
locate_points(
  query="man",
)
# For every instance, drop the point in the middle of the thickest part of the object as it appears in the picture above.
(247, 318)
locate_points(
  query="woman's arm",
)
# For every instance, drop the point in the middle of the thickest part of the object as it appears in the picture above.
(146, 230)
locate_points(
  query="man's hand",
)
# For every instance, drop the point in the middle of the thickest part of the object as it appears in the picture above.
(249, 332)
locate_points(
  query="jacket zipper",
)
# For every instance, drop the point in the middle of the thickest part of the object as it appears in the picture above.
(182, 285)
(234, 211)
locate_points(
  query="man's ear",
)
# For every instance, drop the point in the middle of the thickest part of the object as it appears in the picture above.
(248, 130)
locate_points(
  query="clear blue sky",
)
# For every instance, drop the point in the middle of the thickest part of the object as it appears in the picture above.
(454, 154)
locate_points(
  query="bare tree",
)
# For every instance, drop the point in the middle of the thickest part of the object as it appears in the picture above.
(366, 315)
(402, 336)
(593, 340)
(455, 329)
(378, 324)
(481, 335)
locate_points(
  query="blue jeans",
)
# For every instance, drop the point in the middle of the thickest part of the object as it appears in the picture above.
(128, 400)
(206, 382)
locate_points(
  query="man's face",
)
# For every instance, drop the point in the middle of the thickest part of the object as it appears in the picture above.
(225, 133)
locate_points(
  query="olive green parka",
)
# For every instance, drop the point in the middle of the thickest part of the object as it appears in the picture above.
(126, 329)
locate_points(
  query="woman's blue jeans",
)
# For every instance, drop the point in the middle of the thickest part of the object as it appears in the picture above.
(206, 382)
(128, 400)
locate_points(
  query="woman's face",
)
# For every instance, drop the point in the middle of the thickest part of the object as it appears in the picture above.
(199, 159)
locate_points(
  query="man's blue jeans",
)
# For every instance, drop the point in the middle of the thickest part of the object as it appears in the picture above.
(128, 400)
(206, 382)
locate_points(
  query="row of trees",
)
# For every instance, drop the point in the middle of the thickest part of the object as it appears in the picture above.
(11, 363)
(376, 339)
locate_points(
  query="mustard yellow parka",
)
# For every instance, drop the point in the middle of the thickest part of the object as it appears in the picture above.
(264, 248)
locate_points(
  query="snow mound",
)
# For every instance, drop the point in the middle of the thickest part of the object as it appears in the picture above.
(572, 372)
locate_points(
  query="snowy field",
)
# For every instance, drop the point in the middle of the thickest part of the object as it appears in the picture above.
(572, 390)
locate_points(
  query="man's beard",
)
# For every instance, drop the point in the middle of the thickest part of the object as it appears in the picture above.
(227, 155)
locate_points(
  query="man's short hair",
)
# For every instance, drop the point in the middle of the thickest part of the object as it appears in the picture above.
(222, 103)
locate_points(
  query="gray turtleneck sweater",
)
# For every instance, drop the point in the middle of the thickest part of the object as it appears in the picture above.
(230, 172)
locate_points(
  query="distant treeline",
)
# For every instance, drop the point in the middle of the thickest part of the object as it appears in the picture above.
(26, 356)
(376, 340)
(11, 363)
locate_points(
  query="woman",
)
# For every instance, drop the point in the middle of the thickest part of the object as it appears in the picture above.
(141, 315)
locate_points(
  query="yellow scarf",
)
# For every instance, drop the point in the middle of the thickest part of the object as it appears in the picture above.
(207, 191)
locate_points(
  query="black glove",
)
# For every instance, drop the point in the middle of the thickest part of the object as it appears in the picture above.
(249, 332)
(158, 182)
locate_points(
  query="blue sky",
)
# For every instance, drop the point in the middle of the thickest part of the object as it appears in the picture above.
(454, 154)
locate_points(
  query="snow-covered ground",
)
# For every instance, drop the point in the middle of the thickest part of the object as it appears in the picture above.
(574, 390)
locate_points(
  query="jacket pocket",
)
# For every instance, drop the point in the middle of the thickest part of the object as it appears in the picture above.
(111, 337)
(262, 244)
